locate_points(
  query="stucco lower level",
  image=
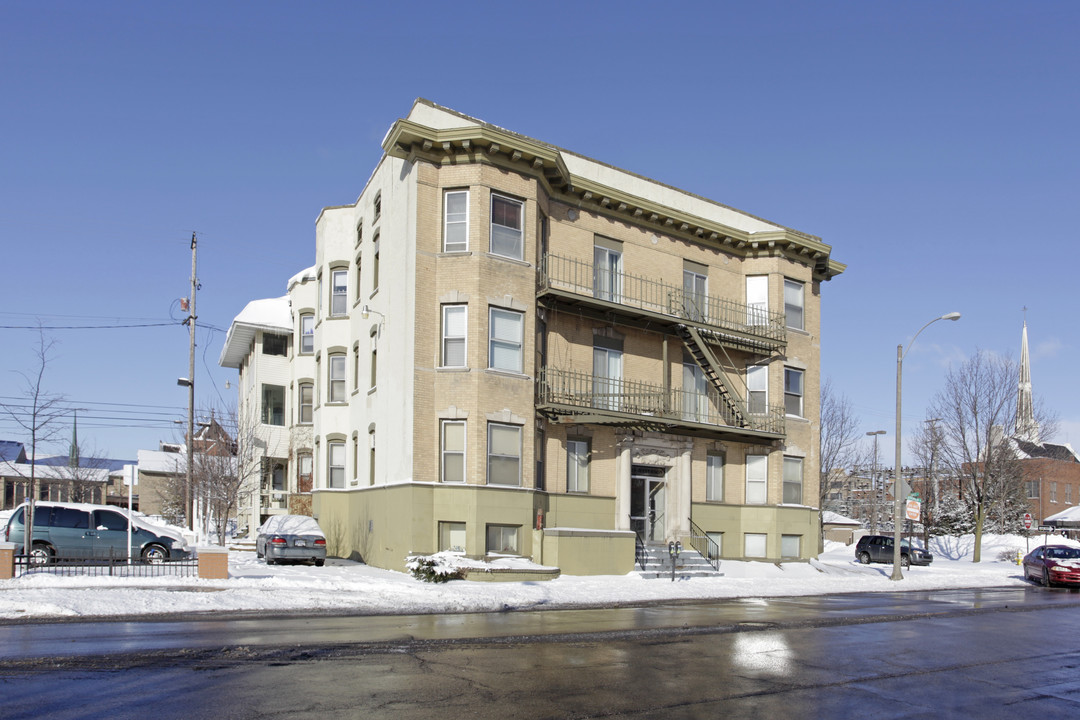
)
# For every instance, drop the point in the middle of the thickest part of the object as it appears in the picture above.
(383, 525)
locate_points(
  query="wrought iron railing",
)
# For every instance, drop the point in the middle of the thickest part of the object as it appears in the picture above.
(705, 545)
(641, 557)
(646, 400)
(583, 278)
(112, 564)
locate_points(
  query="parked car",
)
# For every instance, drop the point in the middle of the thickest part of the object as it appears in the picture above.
(1053, 565)
(879, 548)
(294, 538)
(78, 530)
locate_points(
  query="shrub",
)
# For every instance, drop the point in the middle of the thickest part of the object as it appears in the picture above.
(434, 568)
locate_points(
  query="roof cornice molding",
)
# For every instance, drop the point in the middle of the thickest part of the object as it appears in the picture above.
(489, 144)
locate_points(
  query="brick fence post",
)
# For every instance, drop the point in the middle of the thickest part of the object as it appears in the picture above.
(7, 560)
(213, 563)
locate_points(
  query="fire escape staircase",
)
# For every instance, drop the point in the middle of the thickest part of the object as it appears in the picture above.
(707, 361)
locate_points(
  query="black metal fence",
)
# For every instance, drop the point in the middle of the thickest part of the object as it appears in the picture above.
(107, 565)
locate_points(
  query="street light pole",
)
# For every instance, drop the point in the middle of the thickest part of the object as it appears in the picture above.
(897, 502)
(873, 482)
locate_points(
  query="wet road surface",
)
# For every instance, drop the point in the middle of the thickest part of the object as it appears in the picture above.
(1005, 653)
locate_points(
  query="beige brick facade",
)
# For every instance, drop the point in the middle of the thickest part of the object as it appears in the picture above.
(641, 357)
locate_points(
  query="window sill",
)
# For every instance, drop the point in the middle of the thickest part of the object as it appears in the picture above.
(372, 391)
(336, 403)
(507, 373)
(373, 293)
(453, 369)
(454, 253)
(505, 258)
(342, 316)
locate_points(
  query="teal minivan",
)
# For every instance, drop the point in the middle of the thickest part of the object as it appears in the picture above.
(77, 530)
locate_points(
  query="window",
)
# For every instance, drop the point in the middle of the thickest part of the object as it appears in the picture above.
(307, 334)
(306, 403)
(1068, 494)
(695, 393)
(793, 304)
(607, 377)
(452, 537)
(504, 344)
(337, 378)
(359, 233)
(277, 476)
(1053, 491)
(339, 299)
(504, 454)
(455, 323)
(714, 478)
(371, 456)
(716, 544)
(335, 452)
(607, 271)
(577, 466)
(790, 546)
(793, 392)
(375, 270)
(456, 221)
(695, 293)
(757, 300)
(453, 451)
(757, 474)
(378, 207)
(303, 472)
(755, 545)
(273, 402)
(793, 472)
(506, 237)
(374, 360)
(1032, 488)
(757, 389)
(502, 539)
(275, 345)
(109, 520)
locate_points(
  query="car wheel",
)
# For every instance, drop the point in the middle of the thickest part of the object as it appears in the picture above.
(154, 554)
(1046, 578)
(320, 563)
(905, 561)
(258, 553)
(270, 560)
(41, 554)
(864, 558)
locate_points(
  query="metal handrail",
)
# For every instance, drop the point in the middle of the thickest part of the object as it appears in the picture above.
(705, 545)
(582, 278)
(640, 556)
(647, 400)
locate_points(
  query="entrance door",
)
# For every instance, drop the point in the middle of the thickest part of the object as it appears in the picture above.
(647, 502)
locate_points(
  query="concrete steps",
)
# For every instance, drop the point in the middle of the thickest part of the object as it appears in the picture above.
(689, 565)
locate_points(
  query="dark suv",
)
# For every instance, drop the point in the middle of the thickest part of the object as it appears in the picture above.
(879, 548)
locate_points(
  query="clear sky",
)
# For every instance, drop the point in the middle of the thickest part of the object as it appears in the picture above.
(935, 146)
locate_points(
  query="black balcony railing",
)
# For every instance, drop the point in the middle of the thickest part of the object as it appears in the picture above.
(587, 281)
(618, 398)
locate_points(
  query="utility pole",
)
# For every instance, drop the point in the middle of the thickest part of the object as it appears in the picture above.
(188, 506)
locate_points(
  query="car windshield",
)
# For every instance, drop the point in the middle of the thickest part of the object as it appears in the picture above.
(1063, 553)
(291, 525)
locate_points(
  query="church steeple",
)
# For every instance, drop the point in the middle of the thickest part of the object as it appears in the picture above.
(1026, 427)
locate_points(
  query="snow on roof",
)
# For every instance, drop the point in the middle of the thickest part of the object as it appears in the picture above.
(302, 276)
(831, 518)
(268, 315)
(52, 472)
(156, 461)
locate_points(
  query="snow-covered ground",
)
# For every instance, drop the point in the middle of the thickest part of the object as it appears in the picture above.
(345, 587)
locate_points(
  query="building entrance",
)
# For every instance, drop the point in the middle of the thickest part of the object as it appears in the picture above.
(647, 502)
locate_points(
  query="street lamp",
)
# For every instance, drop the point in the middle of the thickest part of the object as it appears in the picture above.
(873, 482)
(897, 502)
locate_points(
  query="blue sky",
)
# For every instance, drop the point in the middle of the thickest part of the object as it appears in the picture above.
(933, 145)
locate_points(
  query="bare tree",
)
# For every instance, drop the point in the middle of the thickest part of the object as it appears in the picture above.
(226, 468)
(925, 443)
(37, 417)
(836, 444)
(977, 407)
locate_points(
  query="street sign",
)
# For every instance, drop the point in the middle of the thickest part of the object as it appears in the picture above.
(1027, 521)
(914, 508)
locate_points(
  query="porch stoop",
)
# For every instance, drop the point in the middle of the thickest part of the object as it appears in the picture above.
(689, 565)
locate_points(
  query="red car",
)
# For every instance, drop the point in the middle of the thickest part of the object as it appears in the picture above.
(1053, 564)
